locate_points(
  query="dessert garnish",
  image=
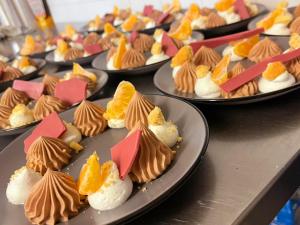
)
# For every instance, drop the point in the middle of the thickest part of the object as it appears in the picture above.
(169, 45)
(47, 104)
(12, 97)
(206, 56)
(78, 70)
(165, 131)
(88, 118)
(50, 82)
(183, 32)
(158, 54)
(138, 109)
(220, 73)
(264, 49)
(21, 115)
(153, 156)
(20, 185)
(48, 153)
(70, 33)
(117, 107)
(53, 199)
(185, 78)
(226, 9)
(31, 46)
(61, 50)
(33, 90)
(24, 64)
(129, 23)
(95, 24)
(118, 56)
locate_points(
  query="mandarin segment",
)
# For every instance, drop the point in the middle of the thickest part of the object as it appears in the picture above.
(116, 108)
(223, 5)
(193, 12)
(130, 22)
(62, 46)
(273, 70)
(183, 32)
(201, 71)
(77, 69)
(156, 48)
(184, 54)
(220, 73)
(108, 28)
(89, 180)
(269, 20)
(243, 47)
(117, 61)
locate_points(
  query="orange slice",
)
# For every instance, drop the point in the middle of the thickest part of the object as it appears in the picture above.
(129, 23)
(89, 180)
(243, 47)
(269, 20)
(201, 71)
(294, 41)
(117, 60)
(174, 7)
(97, 21)
(156, 48)
(116, 108)
(223, 5)
(193, 12)
(77, 69)
(184, 54)
(69, 30)
(183, 32)
(24, 62)
(62, 46)
(220, 73)
(116, 11)
(284, 18)
(108, 28)
(274, 70)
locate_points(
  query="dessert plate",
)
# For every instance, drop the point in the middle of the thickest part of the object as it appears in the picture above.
(164, 26)
(193, 129)
(164, 82)
(82, 61)
(252, 24)
(100, 62)
(40, 65)
(40, 55)
(101, 81)
(233, 27)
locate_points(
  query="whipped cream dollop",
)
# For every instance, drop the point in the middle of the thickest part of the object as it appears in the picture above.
(118, 21)
(157, 58)
(284, 80)
(175, 70)
(72, 134)
(116, 123)
(278, 29)
(205, 87)
(20, 116)
(199, 23)
(229, 50)
(20, 185)
(58, 56)
(50, 47)
(230, 16)
(4, 58)
(110, 64)
(150, 24)
(113, 192)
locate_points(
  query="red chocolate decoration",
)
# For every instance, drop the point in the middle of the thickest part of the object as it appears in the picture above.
(241, 8)
(168, 45)
(33, 89)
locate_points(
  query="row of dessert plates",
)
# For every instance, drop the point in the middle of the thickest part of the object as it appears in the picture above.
(192, 128)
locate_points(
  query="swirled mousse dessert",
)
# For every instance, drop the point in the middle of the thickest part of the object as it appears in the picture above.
(275, 77)
(277, 21)
(296, 12)
(264, 49)
(143, 42)
(225, 9)
(293, 65)
(158, 54)
(138, 109)
(11, 97)
(20, 185)
(5, 112)
(248, 89)
(91, 39)
(10, 73)
(24, 64)
(133, 58)
(205, 87)
(74, 53)
(70, 33)
(184, 54)
(21, 115)
(185, 78)
(206, 56)
(31, 46)
(95, 24)
(88, 118)
(240, 49)
(295, 26)
(165, 131)
(153, 157)
(47, 104)
(183, 32)
(117, 107)
(214, 20)
(48, 153)
(53, 199)
(194, 15)
(102, 184)
(61, 50)
(50, 82)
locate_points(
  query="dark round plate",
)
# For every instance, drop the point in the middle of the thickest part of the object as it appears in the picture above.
(252, 24)
(40, 65)
(100, 63)
(164, 26)
(82, 61)
(193, 128)
(101, 81)
(231, 28)
(164, 82)
(40, 55)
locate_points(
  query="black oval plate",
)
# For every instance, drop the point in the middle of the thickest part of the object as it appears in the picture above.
(231, 28)
(40, 55)
(101, 81)
(193, 128)
(252, 24)
(41, 64)
(82, 61)
(85, 29)
(164, 26)
(100, 63)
